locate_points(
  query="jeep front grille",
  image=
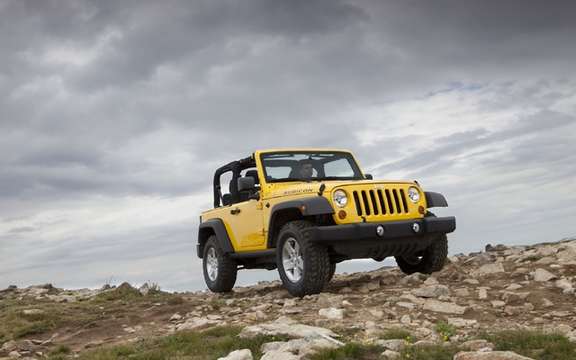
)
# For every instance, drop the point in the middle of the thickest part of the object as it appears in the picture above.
(380, 202)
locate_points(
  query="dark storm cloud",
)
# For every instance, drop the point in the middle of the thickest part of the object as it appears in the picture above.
(117, 100)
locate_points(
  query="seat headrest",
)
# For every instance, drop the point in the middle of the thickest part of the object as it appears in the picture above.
(254, 174)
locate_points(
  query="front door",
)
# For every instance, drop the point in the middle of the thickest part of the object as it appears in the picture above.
(247, 226)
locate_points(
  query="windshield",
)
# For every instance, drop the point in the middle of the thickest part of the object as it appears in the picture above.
(309, 166)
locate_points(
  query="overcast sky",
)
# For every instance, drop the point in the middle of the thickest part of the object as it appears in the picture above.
(114, 115)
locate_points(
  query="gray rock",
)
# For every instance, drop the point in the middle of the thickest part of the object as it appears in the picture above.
(488, 269)
(279, 355)
(286, 326)
(462, 292)
(542, 275)
(332, 313)
(196, 323)
(462, 323)
(412, 279)
(565, 285)
(390, 355)
(175, 317)
(405, 319)
(14, 355)
(490, 355)
(476, 345)
(10, 345)
(289, 349)
(244, 354)
(329, 300)
(392, 344)
(444, 307)
(431, 291)
(482, 293)
(498, 303)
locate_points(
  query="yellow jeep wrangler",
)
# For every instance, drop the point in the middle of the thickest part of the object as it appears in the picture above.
(302, 211)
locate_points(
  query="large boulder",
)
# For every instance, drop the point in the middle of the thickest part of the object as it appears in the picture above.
(244, 354)
(490, 355)
(288, 327)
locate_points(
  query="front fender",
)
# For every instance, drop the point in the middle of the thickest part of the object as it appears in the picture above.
(308, 206)
(434, 199)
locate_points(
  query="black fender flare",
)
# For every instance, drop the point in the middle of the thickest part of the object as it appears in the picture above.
(308, 206)
(434, 199)
(213, 227)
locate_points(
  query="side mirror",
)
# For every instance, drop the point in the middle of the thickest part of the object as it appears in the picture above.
(368, 176)
(246, 183)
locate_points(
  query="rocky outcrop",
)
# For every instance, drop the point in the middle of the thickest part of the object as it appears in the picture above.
(519, 287)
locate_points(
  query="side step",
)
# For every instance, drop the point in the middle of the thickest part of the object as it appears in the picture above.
(254, 254)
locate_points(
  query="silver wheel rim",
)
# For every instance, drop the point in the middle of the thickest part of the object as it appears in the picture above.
(292, 260)
(212, 264)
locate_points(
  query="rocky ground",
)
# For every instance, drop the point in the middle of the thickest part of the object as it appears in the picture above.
(380, 314)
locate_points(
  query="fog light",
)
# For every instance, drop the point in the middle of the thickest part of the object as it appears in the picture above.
(380, 230)
(416, 227)
(342, 214)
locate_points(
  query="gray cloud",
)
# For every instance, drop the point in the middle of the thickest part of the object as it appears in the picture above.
(108, 107)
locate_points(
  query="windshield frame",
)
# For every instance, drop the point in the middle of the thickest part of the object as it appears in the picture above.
(345, 154)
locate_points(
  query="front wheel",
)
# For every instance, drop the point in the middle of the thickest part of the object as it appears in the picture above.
(302, 265)
(430, 260)
(219, 269)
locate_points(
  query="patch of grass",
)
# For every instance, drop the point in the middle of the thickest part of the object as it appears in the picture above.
(15, 324)
(349, 351)
(445, 330)
(60, 350)
(398, 333)
(209, 344)
(436, 352)
(175, 300)
(123, 292)
(217, 303)
(534, 344)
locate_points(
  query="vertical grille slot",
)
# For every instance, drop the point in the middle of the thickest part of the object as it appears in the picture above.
(396, 200)
(382, 204)
(374, 203)
(389, 199)
(357, 202)
(403, 196)
(366, 203)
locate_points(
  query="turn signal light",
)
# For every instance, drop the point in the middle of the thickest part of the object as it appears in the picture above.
(342, 214)
(421, 209)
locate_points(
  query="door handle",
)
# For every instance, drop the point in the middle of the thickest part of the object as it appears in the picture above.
(235, 211)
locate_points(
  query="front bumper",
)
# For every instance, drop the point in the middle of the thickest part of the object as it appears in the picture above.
(363, 240)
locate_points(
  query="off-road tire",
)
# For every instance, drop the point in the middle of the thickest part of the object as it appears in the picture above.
(432, 258)
(227, 268)
(316, 261)
(331, 272)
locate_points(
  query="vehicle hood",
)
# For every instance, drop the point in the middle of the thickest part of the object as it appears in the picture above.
(302, 188)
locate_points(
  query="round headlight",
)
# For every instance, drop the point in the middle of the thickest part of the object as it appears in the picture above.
(340, 198)
(413, 194)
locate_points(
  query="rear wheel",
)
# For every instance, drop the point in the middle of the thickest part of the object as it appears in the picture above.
(302, 265)
(219, 269)
(430, 260)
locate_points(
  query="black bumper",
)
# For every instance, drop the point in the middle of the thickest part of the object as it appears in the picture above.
(398, 237)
